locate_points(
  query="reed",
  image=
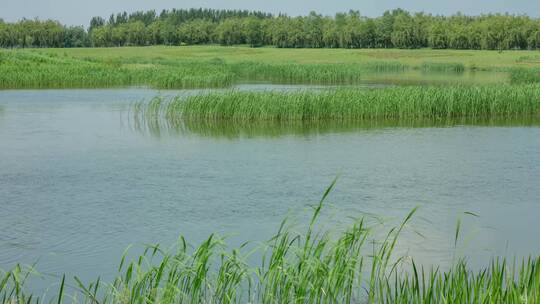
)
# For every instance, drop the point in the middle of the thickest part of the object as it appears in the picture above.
(443, 67)
(397, 103)
(51, 69)
(151, 118)
(311, 73)
(521, 75)
(44, 70)
(37, 70)
(41, 69)
(313, 266)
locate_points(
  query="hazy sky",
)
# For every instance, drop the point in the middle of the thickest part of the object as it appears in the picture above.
(79, 12)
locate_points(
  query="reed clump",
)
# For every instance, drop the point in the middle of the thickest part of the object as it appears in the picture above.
(503, 101)
(314, 266)
(38, 70)
(443, 67)
(152, 118)
(521, 75)
(311, 73)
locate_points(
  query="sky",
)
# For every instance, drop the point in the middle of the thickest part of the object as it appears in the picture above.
(79, 12)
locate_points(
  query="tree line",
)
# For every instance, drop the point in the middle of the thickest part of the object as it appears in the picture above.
(394, 29)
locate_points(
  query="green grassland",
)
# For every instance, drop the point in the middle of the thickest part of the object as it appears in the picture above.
(214, 66)
(469, 58)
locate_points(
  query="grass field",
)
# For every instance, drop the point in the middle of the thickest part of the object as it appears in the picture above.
(469, 58)
(214, 66)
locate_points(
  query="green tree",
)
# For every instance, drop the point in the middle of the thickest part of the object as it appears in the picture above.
(367, 34)
(76, 36)
(384, 29)
(196, 32)
(96, 22)
(155, 32)
(438, 35)
(253, 31)
(229, 32)
(313, 30)
(119, 35)
(101, 36)
(280, 32)
(331, 34)
(403, 32)
(136, 33)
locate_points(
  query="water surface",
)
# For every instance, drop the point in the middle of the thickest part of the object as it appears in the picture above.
(79, 181)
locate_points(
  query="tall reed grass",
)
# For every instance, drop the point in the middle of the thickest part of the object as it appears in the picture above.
(311, 73)
(314, 266)
(37, 70)
(43, 70)
(152, 118)
(522, 75)
(503, 101)
(443, 67)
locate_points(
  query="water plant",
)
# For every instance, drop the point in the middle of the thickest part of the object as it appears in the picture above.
(38, 70)
(44, 70)
(504, 101)
(522, 75)
(456, 67)
(152, 118)
(50, 69)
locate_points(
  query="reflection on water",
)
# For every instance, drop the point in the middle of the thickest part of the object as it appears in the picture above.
(412, 77)
(422, 77)
(153, 122)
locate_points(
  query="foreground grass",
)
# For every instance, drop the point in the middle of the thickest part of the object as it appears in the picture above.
(398, 103)
(310, 267)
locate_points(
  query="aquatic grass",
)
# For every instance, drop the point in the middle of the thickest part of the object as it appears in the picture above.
(397, 103)
(311, 73)
(522, 75)
(443, 67)
(37, 70)
(150, 117)
(44, 70)
(49, 69)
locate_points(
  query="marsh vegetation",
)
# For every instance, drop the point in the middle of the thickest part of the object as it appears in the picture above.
(399, 103)
(181, 68)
